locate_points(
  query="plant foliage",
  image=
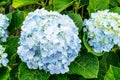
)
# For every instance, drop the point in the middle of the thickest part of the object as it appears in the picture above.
(87, 65)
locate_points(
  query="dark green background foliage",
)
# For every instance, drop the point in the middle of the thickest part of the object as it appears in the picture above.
(87, 66)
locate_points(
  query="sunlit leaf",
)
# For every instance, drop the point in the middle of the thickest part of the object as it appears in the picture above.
(60, 5)
(20, 3)
(95, 5)
(4, 73)
(115, 9)
(86, 65)
(113, 73)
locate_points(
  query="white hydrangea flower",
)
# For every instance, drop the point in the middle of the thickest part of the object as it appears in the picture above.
(48, 41)
(103, 30)
(4, 23)
(3, 57)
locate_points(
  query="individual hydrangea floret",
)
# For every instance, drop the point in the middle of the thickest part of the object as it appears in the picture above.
(48, 41)
(103, 30)
(3, 57)
(4, 23)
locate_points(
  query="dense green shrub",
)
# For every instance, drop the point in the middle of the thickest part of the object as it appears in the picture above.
(89, 64)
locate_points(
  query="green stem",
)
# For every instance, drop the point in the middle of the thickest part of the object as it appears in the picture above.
(51, 3)
(76, 5)
(82, 12)
(82, 6)
(46, 2)
(42, 3)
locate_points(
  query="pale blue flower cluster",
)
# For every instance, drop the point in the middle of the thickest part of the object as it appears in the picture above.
(48, 41)
(4, 23)
(3, 57)
(103, 30)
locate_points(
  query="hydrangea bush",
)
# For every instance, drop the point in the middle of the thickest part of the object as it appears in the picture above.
(3, 57)
(59, 39)
(48, 41)
(103, 30)
(4, 23)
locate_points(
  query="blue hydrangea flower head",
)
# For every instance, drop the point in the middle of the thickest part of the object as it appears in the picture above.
(4, 23)
(103, 30)
(3, 57)
(48, 41)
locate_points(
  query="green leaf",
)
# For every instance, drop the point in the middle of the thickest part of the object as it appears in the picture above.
(30, 74)
(113, 3)
(16, 21)
(115, 9)
(76, 18)
(60, 5)
(4, 2)
(12, 44)
(58, 77)
(61, 77)
(20, 3)
(90, 50)
(26, 11)
(14, 72)
(86, 65)
(113, 73)
(11, 48)
(4, 73)
(9, 15)
(84, 2)
(95, 5)
(75, 77)
(118, 1)
(107, 59)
